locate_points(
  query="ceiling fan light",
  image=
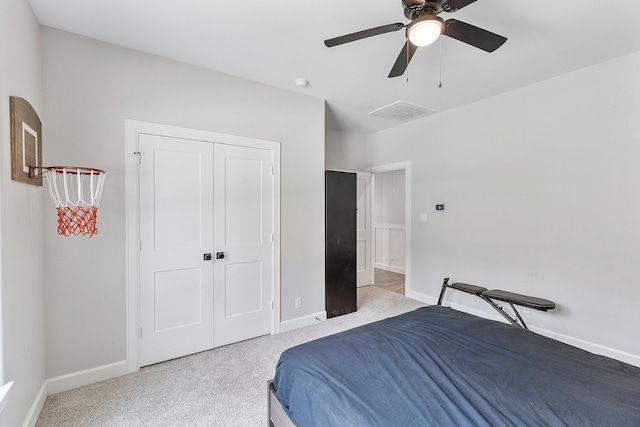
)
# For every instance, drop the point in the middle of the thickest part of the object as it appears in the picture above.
(425, 30)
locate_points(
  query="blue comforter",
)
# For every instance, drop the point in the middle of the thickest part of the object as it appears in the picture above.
(439, 367)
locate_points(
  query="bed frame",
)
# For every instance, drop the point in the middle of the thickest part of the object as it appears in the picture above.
(276, 415)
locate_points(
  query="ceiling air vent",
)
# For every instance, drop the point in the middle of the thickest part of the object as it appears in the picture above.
(401, 111)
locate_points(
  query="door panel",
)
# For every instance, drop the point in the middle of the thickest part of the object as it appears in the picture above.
(176, 284)
(177, 299)
(243, 196)
(364, 228)
(177, 202)
(242, 230)
(340, 243)
(243, 288)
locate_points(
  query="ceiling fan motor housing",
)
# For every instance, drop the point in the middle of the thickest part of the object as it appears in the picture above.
(415, 8)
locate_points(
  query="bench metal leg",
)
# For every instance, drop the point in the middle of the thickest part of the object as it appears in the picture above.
(500, 310)
(524, 325)
(445, 285)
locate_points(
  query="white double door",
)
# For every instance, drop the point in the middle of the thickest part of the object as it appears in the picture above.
(206, 252)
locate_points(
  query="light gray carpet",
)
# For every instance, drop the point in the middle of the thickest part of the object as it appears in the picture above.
(226, 386)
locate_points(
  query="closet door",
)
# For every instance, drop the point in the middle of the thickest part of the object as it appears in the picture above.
(340, 243)
(206, 246)
(243, 233)
(176, 231)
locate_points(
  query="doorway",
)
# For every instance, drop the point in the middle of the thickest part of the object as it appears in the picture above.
(392, 226)
(203, 272)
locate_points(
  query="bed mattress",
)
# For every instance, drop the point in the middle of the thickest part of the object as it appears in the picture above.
(436, 366)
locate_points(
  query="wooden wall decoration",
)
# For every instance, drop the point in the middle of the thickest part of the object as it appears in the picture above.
(26, 140)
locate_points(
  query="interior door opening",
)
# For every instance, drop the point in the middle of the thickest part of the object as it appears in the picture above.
(391, 226)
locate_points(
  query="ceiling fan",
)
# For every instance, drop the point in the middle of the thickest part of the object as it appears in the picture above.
(425, 28)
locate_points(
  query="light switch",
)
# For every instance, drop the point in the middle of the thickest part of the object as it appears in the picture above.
(423, 217)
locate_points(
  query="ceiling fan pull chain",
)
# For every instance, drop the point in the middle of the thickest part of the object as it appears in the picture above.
(440, 85)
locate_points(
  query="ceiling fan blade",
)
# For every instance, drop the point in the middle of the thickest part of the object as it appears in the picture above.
(414, 2)
(403, 60)
(469, 34)
(363, 34)
(453, 5)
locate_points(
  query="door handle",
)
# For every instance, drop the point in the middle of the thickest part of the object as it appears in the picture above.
(207, 257)
(219, 255)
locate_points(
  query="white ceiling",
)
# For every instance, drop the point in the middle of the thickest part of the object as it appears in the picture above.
(274, 42)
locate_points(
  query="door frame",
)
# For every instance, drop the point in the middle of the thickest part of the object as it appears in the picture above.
(369, 219)
(406, 166)
(133, 129)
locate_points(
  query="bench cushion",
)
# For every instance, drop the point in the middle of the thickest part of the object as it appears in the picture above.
(470, 289)
(519, 299)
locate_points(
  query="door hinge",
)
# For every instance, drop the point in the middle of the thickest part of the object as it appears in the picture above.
(271, 237)
(271, 304)
(140, 332)
(139, 155)
(273, 170)
(140, 245)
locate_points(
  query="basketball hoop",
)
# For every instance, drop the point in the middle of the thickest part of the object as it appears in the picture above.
(76, 193)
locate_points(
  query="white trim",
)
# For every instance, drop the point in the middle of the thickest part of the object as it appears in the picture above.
(397, 270)
(88, 376)
(275, 293)
(132, 233)
(299, 322)
(36, 407)
(4, 394)
(133, 129)
(407, 209)
(394, 226)
(589, 346)
(387, 248)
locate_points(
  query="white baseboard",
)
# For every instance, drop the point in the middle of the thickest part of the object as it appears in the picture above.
(36, 407)
(589, 346)
(387, 267)
(299, 322)
(420, 297)
(88, 376)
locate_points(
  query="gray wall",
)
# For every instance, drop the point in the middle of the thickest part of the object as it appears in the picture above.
(542, 194)
(90, 88)
(344, 150)
(22, 290)
(388, 197)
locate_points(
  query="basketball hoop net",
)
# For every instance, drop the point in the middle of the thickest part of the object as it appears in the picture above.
(76, 193)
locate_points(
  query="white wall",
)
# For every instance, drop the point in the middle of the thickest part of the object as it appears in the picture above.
(388, 197)
(542, 194)
(22, 290)
(344, 150)
(90, 88)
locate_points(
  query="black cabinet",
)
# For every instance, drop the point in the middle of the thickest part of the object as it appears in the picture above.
(340, 243)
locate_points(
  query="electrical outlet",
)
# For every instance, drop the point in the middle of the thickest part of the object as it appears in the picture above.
(298, 302)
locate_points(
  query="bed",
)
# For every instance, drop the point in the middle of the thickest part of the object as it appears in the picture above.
(436, 366)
